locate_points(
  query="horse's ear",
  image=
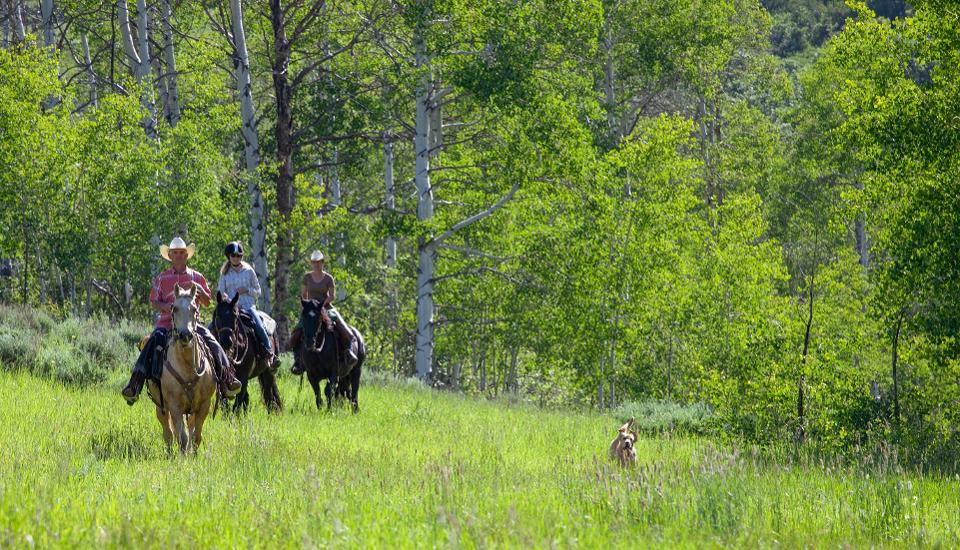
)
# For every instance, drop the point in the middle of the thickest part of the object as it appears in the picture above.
(235, 299)
(193, 291)
(303, 303)
(220, 297)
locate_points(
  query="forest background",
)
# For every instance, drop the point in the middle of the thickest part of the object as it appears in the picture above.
(747, 206)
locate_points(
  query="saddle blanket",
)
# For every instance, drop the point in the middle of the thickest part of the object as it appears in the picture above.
(269, 324)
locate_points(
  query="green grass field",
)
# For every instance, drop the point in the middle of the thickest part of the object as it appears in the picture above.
(419, 469)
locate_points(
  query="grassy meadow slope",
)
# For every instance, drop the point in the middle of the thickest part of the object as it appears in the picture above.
(418, 468)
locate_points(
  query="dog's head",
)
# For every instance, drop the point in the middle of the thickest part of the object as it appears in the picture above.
(626, 438)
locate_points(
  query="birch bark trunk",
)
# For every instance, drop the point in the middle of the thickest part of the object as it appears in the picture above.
(390, 200)
(91, 76)
(284, 136)
(426, 251)
(46, 14)
(251, 151)
(173, 95)
(139, 60)
(16, 20)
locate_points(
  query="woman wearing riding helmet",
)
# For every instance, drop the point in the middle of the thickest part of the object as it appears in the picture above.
(237, 277)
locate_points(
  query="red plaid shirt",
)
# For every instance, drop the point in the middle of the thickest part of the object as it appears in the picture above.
(163, 286)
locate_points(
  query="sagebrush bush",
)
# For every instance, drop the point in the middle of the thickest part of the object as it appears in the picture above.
(18, 347)
(130, 331)
(64, 362)
(31, 320)
(74, 351)
(666, 416)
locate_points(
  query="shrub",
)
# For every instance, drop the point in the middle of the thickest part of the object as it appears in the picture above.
(29, 320)
(64, 362)
(130, 332)
(665, 416)
(18, 348)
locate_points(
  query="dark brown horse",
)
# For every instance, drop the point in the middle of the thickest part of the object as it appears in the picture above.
(323, 357)
(239, 341)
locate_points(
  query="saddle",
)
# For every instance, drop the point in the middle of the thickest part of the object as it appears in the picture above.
(269, 324)
(156, 345)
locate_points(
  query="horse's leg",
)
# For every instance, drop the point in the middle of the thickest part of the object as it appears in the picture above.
(315, 384)
(330, 390)
(198, 420)
(192, 431)
(355, 384)
(242, 401)
(164, 420)
(271, 394)
(180, 427)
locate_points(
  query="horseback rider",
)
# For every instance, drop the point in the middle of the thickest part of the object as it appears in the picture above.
(237, 277)
(319, 285)
(162, 296)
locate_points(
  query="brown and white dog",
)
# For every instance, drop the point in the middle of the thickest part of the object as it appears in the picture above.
(622, 447)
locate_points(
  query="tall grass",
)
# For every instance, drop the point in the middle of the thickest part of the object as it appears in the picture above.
(417, 469)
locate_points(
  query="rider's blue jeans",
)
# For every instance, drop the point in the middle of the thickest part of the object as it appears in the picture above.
(258, 328)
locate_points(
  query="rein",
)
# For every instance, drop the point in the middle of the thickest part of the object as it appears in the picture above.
(238, 340)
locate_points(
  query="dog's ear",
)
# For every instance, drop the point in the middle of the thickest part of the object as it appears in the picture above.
(626, 426)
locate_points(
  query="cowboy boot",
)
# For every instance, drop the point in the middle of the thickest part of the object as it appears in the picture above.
(229, 385)
(295, 339)
(346, 341)
(133, 388)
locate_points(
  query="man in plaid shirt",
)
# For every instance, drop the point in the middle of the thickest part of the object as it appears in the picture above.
(161, 299)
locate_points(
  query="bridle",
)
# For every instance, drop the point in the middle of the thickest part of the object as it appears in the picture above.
(237, 338)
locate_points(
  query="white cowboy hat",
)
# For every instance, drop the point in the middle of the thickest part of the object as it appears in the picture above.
(316, 256)
(177, 244)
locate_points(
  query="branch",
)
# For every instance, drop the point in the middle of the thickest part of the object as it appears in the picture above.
(471, 251)
(106, 291)
(477, 217)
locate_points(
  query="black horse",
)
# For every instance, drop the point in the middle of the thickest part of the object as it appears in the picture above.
(323, 356)
(239, 342)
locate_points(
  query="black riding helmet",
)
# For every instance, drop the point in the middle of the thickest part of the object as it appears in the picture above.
(233, 248)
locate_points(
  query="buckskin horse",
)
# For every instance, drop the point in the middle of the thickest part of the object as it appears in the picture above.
(239, 342)
(187, 382)
(323, 358)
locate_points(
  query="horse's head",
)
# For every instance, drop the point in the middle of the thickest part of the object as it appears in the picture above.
(184, 313)
(312, 315)
(225, 320)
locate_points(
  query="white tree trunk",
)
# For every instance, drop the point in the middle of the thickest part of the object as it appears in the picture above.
(336, 198)
(427, 254)
(425, 270)
(16, 21)
(92, 77)
(390, 201)
(251, 149)
(161, 87)
(139, 60)
(173, 95)
(46, 13)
